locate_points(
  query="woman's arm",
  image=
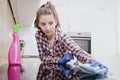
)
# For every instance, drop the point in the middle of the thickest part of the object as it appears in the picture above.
(81, 54)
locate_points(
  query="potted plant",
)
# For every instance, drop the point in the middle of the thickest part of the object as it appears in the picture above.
(22, 45)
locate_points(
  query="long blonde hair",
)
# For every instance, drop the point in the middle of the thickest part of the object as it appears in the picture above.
(46, 9)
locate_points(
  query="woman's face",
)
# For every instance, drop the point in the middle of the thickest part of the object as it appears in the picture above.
(47, 23)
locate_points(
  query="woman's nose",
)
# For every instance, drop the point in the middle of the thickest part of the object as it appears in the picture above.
(47, 27)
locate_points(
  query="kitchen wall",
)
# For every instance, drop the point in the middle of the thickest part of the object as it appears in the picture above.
(28, 35)
(6, 23)
(104, 39)
(118, 25)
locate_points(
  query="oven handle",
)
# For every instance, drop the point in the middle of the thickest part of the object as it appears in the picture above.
(81, 38)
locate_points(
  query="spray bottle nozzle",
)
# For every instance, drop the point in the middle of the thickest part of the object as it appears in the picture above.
(17, 27)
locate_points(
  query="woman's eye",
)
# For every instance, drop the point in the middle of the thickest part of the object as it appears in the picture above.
(43, 24)
(50, 23)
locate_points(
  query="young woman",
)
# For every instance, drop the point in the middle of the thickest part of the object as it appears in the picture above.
(53, 45)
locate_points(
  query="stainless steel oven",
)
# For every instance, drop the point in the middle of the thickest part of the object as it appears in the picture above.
(83, 39)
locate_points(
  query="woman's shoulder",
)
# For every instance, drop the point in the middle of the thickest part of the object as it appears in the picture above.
(62, 34)
(38, 33)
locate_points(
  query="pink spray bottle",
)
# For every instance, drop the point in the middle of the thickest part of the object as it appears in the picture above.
(14, 50)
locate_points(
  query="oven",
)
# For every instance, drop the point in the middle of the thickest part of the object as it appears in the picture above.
(83, 39)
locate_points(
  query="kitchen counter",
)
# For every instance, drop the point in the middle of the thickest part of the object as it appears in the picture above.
(33, 69)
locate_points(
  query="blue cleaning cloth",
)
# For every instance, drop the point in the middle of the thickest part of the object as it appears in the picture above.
(66, 58)
(87, 68)
(95, 63)
(66, 70)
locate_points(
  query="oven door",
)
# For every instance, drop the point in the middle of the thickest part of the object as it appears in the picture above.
(84, 43)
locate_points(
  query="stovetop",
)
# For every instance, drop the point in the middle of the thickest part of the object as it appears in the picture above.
(37, 71)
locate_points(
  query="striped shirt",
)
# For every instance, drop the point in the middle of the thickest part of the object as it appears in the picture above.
(61, 46)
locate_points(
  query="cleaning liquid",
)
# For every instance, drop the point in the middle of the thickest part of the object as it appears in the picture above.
(14, 50)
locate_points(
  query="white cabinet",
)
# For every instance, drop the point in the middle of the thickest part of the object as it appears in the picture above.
(104, 39)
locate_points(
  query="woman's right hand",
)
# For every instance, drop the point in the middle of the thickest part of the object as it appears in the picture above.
(66, 58)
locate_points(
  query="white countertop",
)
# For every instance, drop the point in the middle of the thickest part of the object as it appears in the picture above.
(112, 63)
